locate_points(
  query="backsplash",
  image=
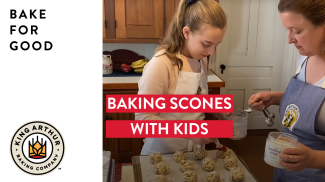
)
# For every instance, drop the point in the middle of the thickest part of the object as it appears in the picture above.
(146, 50)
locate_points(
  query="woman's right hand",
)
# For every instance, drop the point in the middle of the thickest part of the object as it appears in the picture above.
(260, 100)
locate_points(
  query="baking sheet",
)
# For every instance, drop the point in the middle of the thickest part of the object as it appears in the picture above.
(175, 175)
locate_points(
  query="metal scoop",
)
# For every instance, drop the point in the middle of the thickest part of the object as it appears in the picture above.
(248, 110)
(268, 117)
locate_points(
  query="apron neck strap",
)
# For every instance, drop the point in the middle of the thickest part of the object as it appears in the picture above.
(202, 67)
(300, 67)
(323, 85)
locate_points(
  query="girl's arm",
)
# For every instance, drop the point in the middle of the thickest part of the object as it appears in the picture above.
(154, 80)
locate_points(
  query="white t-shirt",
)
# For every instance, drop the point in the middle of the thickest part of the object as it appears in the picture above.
(320, 117)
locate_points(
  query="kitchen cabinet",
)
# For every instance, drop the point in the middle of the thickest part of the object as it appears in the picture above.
(122, 149)
(104, 28)
(139, 18)
(137, 21)
(171, 7)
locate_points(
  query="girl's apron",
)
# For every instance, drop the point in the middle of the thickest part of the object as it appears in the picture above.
(299, 106)
(188, 83)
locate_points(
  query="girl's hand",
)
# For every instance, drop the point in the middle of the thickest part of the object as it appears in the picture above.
(297, 159)
(202, 141)
(221, 116)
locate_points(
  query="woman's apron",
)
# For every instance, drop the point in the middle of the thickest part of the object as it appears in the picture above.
(188, 83)
(299, 106)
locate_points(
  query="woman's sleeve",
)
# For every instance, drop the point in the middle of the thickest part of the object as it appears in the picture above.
(154, 80)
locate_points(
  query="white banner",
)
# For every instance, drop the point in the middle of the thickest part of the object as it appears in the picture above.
(50, 71)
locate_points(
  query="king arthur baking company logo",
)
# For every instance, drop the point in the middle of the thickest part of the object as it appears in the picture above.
(291, 116)
(37, 148)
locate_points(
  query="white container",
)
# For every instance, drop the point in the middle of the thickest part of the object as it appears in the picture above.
(239, 127)
(107, 64)
(275, 143)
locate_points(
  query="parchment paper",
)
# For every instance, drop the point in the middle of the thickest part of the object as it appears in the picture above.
(176, 175)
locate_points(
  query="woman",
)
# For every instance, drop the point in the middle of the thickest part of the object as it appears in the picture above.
(302, 108)
(179, 66)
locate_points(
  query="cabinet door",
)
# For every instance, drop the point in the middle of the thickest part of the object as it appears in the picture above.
(104, 28)
(171, 7)
(122, 149)
(139, 18)
(108, 19)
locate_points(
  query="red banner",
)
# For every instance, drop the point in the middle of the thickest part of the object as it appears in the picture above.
(169, 103)
(169, 129)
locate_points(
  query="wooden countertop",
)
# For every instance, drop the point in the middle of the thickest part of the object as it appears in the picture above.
(125, 83)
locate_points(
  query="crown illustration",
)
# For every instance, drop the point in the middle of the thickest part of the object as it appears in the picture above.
(37, 150)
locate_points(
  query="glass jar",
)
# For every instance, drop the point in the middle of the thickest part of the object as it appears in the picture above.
(275, 143)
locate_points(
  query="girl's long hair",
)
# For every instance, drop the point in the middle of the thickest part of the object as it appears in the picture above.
(191, 15)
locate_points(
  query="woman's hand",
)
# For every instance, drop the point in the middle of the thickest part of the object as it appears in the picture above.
(297, 159)
(260, 100)
(202, 141)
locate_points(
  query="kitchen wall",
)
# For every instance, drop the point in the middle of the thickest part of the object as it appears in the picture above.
(146, 50)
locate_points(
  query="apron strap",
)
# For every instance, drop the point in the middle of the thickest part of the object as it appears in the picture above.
(323, 85)
(300, 67)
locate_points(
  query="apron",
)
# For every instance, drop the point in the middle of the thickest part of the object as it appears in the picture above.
(188, 83)
(299, 106)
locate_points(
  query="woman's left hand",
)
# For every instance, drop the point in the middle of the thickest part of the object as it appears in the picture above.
(297, 159)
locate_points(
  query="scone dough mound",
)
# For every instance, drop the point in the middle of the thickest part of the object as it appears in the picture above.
(223, 153)
(160, 178)
(208, 164)
(237, 174)
(200, 154)
(230, 162)
(213, 176)
(155, 157)
(190, 176)
(161, 168)
(186, 165)
(178, 156)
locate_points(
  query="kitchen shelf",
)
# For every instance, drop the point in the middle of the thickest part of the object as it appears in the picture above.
(118, 73)
(136, 41)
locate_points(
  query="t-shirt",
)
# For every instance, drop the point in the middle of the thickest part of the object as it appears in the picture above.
(160, 77)
(320, 117)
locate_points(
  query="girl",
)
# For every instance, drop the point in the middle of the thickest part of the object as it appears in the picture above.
(179, 66)
(305, 22)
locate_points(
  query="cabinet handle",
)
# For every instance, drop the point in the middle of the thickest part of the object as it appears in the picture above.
(108, 118)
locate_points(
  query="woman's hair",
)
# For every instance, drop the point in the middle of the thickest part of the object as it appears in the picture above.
(311, 10)
(191, 13)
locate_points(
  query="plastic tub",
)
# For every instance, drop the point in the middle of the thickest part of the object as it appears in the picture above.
(275, 143)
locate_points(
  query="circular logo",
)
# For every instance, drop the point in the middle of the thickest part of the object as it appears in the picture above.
(37, 148)
(291, 116)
